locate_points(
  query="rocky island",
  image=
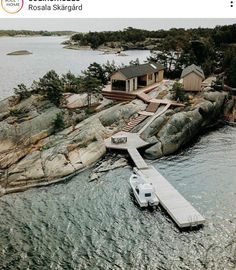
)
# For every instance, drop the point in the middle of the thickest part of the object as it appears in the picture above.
(114, 42)
(22, 52)
(37, 151)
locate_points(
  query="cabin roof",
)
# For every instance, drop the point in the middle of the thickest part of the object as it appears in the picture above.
(140, 70)
(193, 68)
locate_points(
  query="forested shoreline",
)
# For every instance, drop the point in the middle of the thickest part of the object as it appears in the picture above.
(176, 38)
(214, 49)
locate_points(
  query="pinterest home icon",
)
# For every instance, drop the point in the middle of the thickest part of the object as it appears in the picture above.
(12, 6)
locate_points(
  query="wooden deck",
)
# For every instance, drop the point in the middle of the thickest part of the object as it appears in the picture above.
(140, 93)
(119, 95)
(180, 210)
(133, 141)
(128, 96)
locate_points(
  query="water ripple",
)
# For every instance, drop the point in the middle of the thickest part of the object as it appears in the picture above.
(98, 225)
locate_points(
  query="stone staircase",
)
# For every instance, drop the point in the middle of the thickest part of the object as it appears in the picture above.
(134, 122)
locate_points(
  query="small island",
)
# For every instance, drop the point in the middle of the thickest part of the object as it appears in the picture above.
(21, 52)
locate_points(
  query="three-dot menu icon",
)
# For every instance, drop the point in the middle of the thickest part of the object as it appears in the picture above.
(231, 3)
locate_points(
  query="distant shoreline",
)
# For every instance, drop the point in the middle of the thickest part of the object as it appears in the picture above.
(105, 50)
(30, 36)
(29, 33)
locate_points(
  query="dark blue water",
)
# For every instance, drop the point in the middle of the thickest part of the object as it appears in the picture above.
(97, 225)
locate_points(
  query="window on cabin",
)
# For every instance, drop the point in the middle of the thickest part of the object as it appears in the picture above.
(150, 77)
(118, 85)
(148, 194)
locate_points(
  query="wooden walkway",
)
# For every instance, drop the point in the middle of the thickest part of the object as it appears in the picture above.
(152, 118)
(152, 107)
(144, 97)
(167, 101)
(180, 210)
(137, 158)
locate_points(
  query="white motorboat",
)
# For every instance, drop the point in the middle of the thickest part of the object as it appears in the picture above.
(143, 192)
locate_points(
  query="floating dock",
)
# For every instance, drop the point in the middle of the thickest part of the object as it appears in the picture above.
(137, 158)
(180, 210)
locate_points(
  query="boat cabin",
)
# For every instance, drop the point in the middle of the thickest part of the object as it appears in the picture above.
(145, 191)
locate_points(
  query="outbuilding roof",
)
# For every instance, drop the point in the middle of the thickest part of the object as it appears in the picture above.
(140, 70)
(193, 68)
